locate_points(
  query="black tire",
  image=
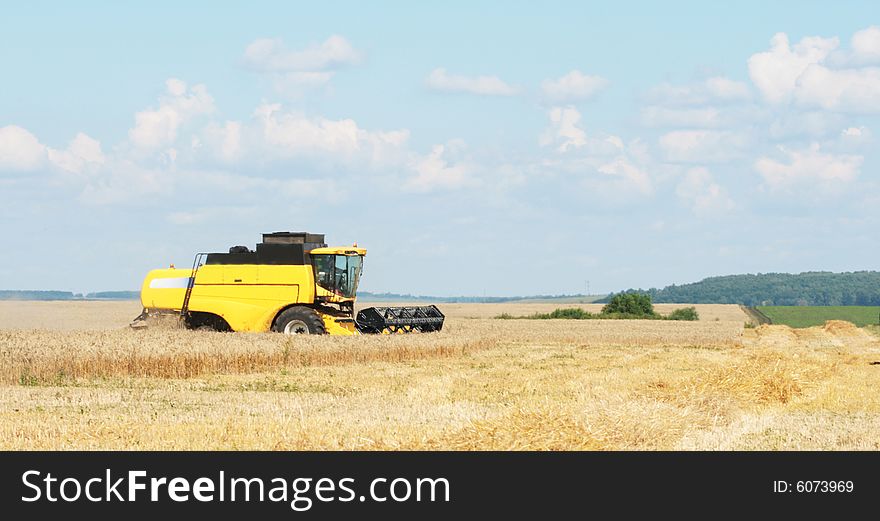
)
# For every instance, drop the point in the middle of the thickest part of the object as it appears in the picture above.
(299, 320)
(201, 321)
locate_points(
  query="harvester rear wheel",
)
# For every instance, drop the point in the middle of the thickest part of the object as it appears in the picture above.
(299, 320)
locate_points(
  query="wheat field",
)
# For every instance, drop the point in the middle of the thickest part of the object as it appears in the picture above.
(73, 376)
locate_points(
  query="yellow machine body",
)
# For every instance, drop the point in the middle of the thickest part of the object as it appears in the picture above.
(249, 297)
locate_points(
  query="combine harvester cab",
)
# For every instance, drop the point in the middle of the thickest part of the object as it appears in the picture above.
(293, 283)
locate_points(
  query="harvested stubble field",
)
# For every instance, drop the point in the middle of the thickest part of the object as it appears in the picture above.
(72, 376)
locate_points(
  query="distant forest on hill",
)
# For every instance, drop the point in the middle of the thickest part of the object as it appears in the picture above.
(6, 294)
(813, 288)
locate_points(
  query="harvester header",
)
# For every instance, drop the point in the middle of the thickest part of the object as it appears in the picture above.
(291, 283)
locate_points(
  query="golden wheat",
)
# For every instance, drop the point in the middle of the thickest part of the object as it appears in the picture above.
(479, 384)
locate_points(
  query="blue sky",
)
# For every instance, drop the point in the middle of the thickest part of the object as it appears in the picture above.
(498, 148)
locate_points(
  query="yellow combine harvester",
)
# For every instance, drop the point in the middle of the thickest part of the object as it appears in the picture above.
(292, 283)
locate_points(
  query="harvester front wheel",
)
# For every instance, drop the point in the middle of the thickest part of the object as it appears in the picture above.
(299, 320)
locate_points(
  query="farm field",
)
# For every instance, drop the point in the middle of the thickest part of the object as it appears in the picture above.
(73, 376)
(806, 316)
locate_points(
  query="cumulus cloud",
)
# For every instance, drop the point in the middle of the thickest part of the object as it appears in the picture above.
(810, 72)
(82, 153)
(292, 133)
(572, 87)
(20, 150)
(776, 72)
(714, 102)
(848, 90)
(703, 146)
(853, 131)
(123, 180)
(271, 55)
(225, 141)
(702, 194)
(809, 165)
(158, 127)
(294, 72)
(438, 171)
(856, 135)
(441, 80)
(791, 124)
(609, 169)
(564, 131)
(866, 44)
(566, 134)
(623, 170)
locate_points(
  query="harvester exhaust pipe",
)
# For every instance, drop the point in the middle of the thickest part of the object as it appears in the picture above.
(407, 319)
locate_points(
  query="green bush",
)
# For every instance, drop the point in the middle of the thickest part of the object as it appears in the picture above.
(569, 313)
(627, 316)
(575, 313)
(689, 313)
(505, 316)
(635, 304)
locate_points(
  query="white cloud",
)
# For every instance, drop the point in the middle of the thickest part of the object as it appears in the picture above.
(611, 171)
(565, 133)
(564, 130)
(295, 132)
(856, 135)
(290, 134)
(82, 153)
(776, 72)
(848, 90)
(225, 141)
(625, 171)
(294, 72)
(725, 89)
(159, 127)
(702, 146)
(866, 44)
(813, 73)
(704, 196)
(20, 150)
(810, 165)
(572, 87)
(123, 180)
(810, 123)
(440, 80)
(716, 89)
(270, 55)
(436, 171)
(715, 102)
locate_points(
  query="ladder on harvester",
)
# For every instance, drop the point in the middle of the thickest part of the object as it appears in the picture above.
(197, 263)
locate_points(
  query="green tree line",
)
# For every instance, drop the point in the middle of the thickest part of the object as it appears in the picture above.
(814, 288)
